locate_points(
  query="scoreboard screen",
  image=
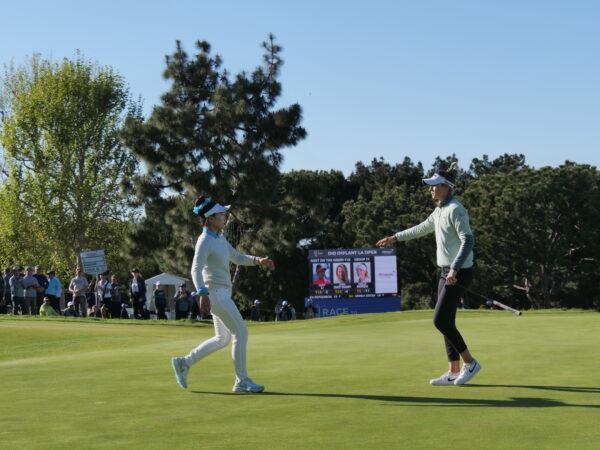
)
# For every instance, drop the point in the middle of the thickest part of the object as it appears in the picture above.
(345, 273)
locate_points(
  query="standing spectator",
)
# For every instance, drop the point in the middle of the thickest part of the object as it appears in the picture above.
(292, 312)
(284, 312)
(46, 309)
(54, 290)
(8, 273)
(17, 290)
(183, 303)
(78, 287)
(103, 290)
(70, 310)
(255, 311)
(43, 285)
(116, 297)
(160, 302)
(137, 293)
(31, 291)
(90, 296)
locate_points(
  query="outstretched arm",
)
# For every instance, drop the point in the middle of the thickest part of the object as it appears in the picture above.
(424, 228)
(247, 260)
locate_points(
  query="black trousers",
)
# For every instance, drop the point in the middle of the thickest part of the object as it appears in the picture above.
(54, 302)
(115, 309)
(181, 315)
(39, 301)
(19, 305)
(138, 306)
(161, 313)
(444, 315)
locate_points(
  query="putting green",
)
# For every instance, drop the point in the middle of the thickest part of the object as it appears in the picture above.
(345, 382)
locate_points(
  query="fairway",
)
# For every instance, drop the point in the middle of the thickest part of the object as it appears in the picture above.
(344, 382)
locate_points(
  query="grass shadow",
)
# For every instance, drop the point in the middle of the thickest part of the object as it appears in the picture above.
(581, 389)
(516, 402)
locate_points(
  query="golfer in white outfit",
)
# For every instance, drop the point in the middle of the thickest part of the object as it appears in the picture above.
(211, 276)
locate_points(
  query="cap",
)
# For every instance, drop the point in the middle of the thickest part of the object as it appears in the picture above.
(438, 179)
(206, 207)
(320, 268)
(70, 304)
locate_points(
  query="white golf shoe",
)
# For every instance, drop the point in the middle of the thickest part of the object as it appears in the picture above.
(247, 385)
(446, 379)
(181, 370)
(467, 372)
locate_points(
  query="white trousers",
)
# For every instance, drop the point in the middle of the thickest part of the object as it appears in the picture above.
(228, 323)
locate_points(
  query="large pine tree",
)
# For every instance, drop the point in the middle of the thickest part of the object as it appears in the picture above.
(213, 134)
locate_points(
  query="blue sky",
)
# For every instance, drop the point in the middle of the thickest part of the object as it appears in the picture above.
(378, 78)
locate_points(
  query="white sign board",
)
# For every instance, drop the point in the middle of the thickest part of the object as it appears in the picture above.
(93, 262)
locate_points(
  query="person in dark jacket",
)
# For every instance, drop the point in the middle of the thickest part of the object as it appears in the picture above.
(116, 297)
(8, 273)
(17, 291)
(137, 293)
(43, 284)
(160, 302)
(255, 311)
(183, 303)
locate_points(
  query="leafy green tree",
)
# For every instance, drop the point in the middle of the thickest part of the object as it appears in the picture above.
(64, 164)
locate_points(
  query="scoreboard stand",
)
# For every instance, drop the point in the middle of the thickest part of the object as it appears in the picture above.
(353, 281)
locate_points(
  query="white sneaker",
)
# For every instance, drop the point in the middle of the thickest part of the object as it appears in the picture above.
(181, 371)
(446, 379)
(247, 385)
(467, 372)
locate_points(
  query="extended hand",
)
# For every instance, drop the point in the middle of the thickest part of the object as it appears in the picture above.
(386, 241)
(266, 262)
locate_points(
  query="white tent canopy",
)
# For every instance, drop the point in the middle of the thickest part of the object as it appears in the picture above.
(169, 283)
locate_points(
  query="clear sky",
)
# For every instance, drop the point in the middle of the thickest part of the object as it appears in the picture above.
(375, 78)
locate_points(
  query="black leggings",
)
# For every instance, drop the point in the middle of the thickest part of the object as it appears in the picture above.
(444, 315)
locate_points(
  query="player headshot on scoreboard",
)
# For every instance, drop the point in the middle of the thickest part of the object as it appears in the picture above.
(320, 274)
(362, 274)
(341, 273)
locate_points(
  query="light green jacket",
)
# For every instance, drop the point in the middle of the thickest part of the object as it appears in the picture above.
(453, 236)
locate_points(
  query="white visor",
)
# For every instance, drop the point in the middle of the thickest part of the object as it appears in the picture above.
(436, 180)
(216, 210)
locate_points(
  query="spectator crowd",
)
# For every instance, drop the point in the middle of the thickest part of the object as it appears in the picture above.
(31, 291)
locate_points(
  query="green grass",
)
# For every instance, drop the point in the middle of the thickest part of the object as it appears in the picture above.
(345, 382)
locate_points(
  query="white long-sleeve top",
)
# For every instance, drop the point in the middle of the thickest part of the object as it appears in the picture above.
(210, 266)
